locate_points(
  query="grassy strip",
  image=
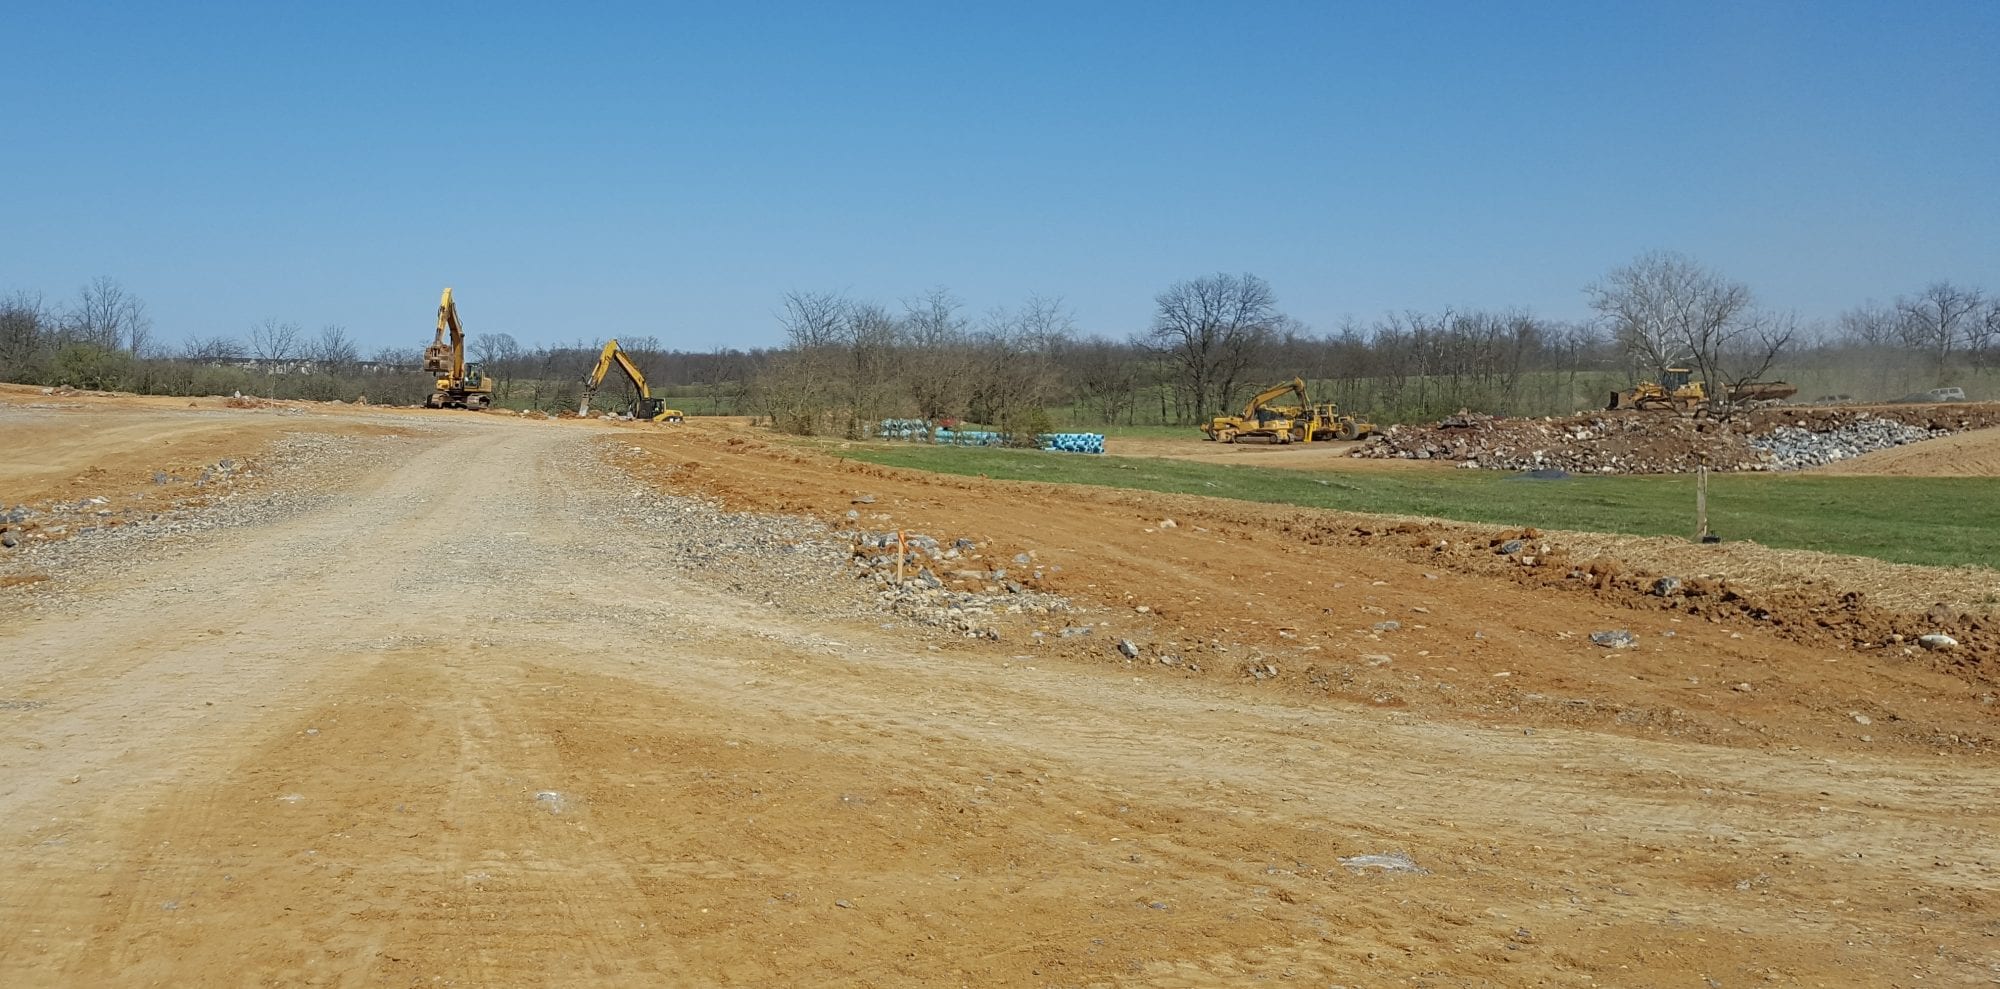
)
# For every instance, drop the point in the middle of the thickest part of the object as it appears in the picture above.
(1938, 521)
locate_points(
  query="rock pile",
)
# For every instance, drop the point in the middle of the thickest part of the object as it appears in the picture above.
(946, 584)
(1779, 438)
(950, 586)
(1610, 443)
(1791, 447)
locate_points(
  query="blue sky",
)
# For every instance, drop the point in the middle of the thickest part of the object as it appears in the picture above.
(579, 171)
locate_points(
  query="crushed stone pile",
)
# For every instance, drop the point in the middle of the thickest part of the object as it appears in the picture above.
(1791, 447)
(1660, 443)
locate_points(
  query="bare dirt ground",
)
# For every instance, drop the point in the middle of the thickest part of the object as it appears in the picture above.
(462, 724)
(1970, 454)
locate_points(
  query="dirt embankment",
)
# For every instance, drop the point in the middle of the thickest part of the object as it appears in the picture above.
(1417, 614)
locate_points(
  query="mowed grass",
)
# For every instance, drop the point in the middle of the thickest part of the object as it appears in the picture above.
(1939, 521)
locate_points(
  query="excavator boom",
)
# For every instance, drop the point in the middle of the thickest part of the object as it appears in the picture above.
(1296, 386)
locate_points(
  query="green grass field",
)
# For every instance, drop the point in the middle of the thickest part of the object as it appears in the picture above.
(1938, 521)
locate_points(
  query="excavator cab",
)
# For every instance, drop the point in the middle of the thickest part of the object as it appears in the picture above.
(1674, 379)
(654, 410)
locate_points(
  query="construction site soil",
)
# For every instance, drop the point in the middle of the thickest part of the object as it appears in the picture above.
(473, 699)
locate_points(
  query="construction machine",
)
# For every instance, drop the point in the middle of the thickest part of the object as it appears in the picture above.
(459, 385)
(1306, 422)
(1674, 392)
(645, 406)
(1677, 392)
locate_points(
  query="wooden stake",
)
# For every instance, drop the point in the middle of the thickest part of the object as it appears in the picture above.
(1701, 503)
(902, 551)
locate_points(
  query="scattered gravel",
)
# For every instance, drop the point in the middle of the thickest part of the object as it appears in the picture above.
(806, 566)
(1616, 638)
(74, 539)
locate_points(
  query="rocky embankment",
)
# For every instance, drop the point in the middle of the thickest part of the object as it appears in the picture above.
(1663, 443)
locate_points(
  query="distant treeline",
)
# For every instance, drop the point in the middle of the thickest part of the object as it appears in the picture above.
(848, 362)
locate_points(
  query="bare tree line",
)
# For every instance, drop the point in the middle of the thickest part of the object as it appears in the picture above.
(845, 362)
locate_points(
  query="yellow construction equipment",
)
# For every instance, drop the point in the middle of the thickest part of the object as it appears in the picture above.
(645, 406)
(459, 385)
(1306, 422)
(1677, 392)
(1674, 392)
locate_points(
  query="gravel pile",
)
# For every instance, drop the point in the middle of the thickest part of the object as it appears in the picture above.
(1792, 447)
(1778, 438)
(808, 567)
(1627, 443)
(950, 586)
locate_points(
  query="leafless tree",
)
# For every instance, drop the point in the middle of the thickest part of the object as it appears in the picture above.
(26, 331)
(1106, 376)
(403, 357)
(813, 319)
(1941, 320)
(107, 315)
(492, 348)
(1665, 307)
(1014, 369)
(1210, 329)
(332, 349)
(212, 349)
(936, 365)
(498, 353)
(1984, 347)
(1869, 324)
(273, 339)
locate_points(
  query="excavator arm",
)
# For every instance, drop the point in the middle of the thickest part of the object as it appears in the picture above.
(1296, 386)
(444, 357)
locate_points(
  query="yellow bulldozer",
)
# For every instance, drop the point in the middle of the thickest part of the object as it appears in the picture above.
(1676, 391)
(1305, 422)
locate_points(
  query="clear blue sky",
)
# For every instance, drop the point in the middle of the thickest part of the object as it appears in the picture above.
(582, 171)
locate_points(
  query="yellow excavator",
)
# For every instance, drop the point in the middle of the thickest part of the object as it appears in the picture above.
(1306, 422)
(643, 407)
(459, 385)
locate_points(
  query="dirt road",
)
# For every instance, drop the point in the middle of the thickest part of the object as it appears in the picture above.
(461, 727)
